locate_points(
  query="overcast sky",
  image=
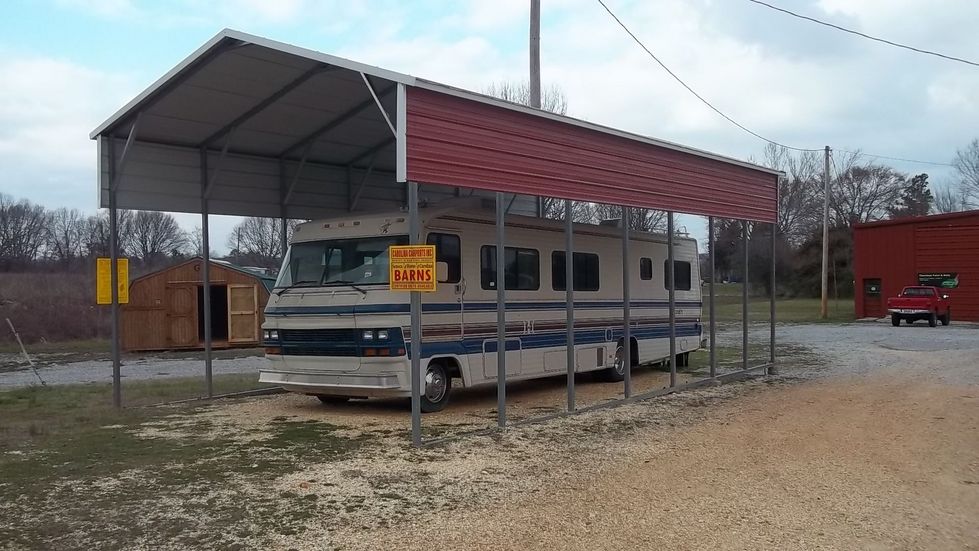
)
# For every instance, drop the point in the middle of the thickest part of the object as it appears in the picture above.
(66, 65)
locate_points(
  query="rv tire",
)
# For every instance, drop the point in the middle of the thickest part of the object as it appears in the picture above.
(436, 387)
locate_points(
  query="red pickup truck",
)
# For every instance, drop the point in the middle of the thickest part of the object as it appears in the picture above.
(920, 303)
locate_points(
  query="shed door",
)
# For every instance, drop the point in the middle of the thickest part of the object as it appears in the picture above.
(242, 313)
(182, 315)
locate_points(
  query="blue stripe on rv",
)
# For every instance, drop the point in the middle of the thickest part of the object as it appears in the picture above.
(404, 308)
(474, 345)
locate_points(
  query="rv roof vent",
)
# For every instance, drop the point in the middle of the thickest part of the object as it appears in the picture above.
(613, 222)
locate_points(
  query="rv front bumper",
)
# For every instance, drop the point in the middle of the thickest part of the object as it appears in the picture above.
(357, 385)
(380, 377)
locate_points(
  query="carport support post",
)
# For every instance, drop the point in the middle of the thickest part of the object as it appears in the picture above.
(626, 313)
(414, 228)
(206, 276)
(670, 285)
(113, 280)
(772, 369)
(569, 296)
(710, 289)
(500, 314)
(744, 300)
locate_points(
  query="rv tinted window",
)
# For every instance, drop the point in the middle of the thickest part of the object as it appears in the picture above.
(645, 268)
(586, 273)
(522, 268)
(681, 271)
(448, 250)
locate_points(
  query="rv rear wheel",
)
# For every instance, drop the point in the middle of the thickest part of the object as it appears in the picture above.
(438, 384)
(616, 373)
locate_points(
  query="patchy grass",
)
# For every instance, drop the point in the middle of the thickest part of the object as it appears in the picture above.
(81, 346)
(78, 473)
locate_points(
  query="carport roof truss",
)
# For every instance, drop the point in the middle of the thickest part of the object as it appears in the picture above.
(261, 128)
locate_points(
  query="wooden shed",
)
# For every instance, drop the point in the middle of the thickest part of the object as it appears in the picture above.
(166, 307)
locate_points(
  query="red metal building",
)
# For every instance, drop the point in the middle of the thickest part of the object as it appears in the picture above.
(929, 250)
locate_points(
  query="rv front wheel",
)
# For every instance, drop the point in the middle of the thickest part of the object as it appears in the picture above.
(616, 373)
(438, 384)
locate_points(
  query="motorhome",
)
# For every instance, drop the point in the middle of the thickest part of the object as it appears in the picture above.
(333, 328)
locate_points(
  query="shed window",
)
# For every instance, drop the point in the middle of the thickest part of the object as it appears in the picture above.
(586, 273)
(681, 273)
(522, 268)
(645, 268)
(448, 250)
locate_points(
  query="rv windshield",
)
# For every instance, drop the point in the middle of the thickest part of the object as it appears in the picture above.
(335, 262)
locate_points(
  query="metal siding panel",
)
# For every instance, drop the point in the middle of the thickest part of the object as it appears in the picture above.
(454, 141)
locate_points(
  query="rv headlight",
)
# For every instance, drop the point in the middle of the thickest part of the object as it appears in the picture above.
(368, 335)
(382, 334)
(272, 334)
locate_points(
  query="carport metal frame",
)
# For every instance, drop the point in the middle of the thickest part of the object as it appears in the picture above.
(209, 177)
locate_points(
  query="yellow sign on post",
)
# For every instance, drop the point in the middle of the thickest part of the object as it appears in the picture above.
(103, 280)
(412, 268)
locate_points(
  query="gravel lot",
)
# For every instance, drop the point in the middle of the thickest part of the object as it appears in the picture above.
(869, 439)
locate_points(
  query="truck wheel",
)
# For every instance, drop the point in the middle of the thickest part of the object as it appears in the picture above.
(437, 385)
(947, 318)
(932, 320)
(895, 320)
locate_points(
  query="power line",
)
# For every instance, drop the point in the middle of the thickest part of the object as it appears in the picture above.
(736, 123)
(867, 36)
(861, 153)
(691, 90)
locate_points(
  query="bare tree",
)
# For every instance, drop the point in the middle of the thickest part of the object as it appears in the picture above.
(799, 191)
(861, 193)
(257, 241)
(644, 220)
(23, 231)
(551, 98)
(66, 235)
(156, 235)
(949, 199)
(581, 212)
(95, 233)
(966, 164)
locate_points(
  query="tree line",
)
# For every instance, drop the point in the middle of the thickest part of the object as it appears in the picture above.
(861, 190)
(33, 237)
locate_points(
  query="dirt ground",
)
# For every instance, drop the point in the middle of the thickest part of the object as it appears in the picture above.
(869, 439)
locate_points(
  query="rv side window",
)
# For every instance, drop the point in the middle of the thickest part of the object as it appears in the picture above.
(448, 250)
(522, 268)
(645, 268)
(586, 273)
(681, 271)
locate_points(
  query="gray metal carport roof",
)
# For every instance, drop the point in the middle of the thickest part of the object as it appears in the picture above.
(285, 131)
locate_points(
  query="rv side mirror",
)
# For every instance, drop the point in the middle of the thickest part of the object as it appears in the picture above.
(441, 272)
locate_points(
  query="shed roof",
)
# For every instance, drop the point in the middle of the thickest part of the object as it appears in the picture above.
(263, 128)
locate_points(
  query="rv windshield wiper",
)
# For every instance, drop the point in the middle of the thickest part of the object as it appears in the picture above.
(350, 283)
(281, 290)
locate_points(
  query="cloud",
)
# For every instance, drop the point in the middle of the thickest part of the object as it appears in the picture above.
(47, 108)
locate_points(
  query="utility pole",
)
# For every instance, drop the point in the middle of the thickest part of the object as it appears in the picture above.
(535, 54)
(824, 307)
(535, 72)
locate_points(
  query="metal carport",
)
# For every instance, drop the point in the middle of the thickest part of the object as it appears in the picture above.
(252, 127)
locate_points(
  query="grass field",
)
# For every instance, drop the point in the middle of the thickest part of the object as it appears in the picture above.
(792, 310)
